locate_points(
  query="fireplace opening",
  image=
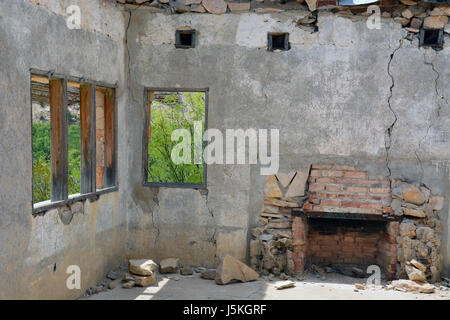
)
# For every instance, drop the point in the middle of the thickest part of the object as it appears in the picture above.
(338, 243)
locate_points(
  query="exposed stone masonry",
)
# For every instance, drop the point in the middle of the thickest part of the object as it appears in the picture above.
(405, 243)
(412, 15)
(271, 248)
(419, 232)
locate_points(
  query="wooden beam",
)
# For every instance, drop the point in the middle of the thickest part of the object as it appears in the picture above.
(147, 132)
(87, 123)
(110, 141)
(58, 123)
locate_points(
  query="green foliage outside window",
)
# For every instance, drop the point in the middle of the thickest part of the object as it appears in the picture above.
(175, 111)
(42, 160)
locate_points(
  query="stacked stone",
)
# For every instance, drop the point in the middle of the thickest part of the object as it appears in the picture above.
(271, 248)
(197, 6)
(419, 239)
(412, 15)
(422, 14)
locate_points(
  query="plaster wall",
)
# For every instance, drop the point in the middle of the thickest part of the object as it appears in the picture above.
(35, 251)
(333, 96)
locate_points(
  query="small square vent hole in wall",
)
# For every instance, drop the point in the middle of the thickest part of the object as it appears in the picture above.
(278, 41)
(432, 38)
(185, 39)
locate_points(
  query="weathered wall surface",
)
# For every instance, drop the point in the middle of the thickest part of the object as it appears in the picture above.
(333, 96)
(35, 251)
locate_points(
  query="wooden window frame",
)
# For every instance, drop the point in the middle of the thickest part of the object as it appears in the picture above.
(59, 140)
(147, 118)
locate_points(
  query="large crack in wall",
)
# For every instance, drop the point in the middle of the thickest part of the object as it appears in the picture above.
(390, 129)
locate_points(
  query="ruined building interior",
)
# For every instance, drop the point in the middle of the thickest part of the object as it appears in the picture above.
(360, 96)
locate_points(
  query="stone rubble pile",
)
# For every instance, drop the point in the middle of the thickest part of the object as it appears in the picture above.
(271, 248)
(143, 273)
(419, 241)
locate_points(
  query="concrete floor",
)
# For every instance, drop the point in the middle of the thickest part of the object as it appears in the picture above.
(335, 287)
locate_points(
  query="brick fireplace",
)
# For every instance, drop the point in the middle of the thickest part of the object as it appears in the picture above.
(327, 214)
(327, 241)
(345, 220)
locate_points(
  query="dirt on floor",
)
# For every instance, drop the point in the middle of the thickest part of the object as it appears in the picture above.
(334, 287)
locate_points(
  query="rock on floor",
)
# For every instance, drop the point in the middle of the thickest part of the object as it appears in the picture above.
(142, 267)
(170, 265)
(284, 285)
(409, 285)
(145, 281)
(208, 274)
(186, 271)
(232, 269)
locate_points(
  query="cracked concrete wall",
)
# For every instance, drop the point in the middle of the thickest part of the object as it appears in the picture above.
(35, 251)
(333, 95)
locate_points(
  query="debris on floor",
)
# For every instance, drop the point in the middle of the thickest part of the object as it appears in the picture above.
(128, 285)
(208, 274)
(284, 284)
(170, 265)
(360, 286)
(143, 273)
(231, 269)
(186, 271)
(142, 267)
(412, 286)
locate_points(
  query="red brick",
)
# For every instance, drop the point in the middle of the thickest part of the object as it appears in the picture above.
(318, 208)
(307, 206)
(327, 195)
(388, 238)
(371, 205)
(393, 228)
(326, 242)
(380, 190)
(361, 196)
(348, 249)
(325, 180)
(316, 187)
(363, 182)
(353, 204)
(356, 189)
(330, 237)
(299, 266)
(332, 203)
(334, 188)
(355, 174)
(388, 210)
(316, 173)
(332, 173)
(321, 166)
(324, 254)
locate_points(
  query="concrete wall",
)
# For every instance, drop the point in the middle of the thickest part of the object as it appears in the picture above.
(333, 96)
(35, 251)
